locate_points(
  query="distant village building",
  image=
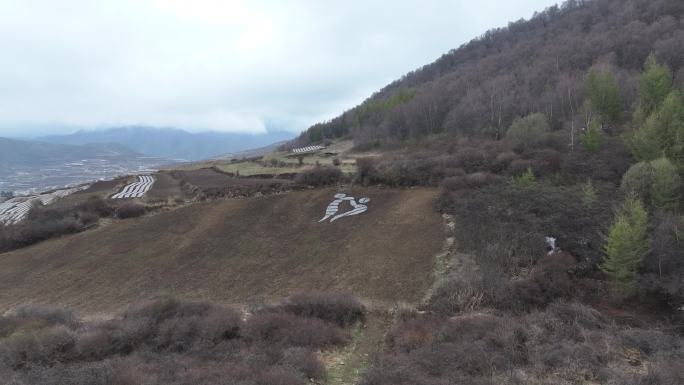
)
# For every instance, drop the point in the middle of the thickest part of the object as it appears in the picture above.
(307, 150)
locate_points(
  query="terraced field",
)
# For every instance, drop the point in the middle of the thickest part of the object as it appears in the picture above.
(237, 251)
(136, 189)
(16, 209)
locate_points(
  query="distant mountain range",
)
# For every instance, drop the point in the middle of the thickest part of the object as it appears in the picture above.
(32, 166)
(173, 143)
(29, 153)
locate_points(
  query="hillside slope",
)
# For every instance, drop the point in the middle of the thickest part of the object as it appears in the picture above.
(536, 65)
(237, 251)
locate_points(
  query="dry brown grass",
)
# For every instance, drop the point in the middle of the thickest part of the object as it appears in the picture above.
(236, 251)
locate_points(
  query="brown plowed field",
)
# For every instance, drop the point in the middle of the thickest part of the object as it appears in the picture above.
(237, 251)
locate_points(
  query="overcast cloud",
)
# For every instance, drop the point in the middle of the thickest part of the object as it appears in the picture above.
(218, 65)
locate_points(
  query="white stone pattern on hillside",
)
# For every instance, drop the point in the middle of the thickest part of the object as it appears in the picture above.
(303, 150)
(136, 189)
(334, 206)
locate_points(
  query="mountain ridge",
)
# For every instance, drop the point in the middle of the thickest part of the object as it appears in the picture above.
(173, 143)
(481, 87)
(35, 152)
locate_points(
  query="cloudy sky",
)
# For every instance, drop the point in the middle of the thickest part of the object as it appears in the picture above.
(225, 65)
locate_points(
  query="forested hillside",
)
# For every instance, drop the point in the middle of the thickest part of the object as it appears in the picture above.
(538, 65)
(544, 246)
(559, 146)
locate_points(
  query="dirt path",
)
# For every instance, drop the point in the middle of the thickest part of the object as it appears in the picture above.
(346, 367)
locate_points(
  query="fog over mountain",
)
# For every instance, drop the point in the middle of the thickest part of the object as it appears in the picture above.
(215, 65)
(173, 143)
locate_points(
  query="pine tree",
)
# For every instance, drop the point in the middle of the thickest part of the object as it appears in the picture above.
(665, 185)
(592, 139)
(662, 133)
(589, 196)
(669, 125)
(655, 84)
(604, 95)
(626, 246)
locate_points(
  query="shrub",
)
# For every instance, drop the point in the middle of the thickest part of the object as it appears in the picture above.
(412, 333)
(503, 160)
(44, 223)
(471, 159)
(340, 308)
(200, 330)
(506, 226)
(524, 132)
(609, 164)
(336, 162)
(480, 179)
(283, 328)
(43, 347)
(637, 180)
(96, 205)
(319, 176)
(455, 183)
(104, 339)
(171, 342)
(130, 210)
(455, 295)
(303, 361)
(365, 168)
(525, 179)
(519, 166)
(592, 138)
(545, 161)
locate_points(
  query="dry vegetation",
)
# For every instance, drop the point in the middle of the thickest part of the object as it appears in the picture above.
(496, 126)
(177, 342)
(564, 343)
(281, 164)
(236, 251)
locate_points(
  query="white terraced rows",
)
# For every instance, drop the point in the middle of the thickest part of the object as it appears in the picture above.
(15, 210)
(307, 149)
(136, 189)
(12, 212)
